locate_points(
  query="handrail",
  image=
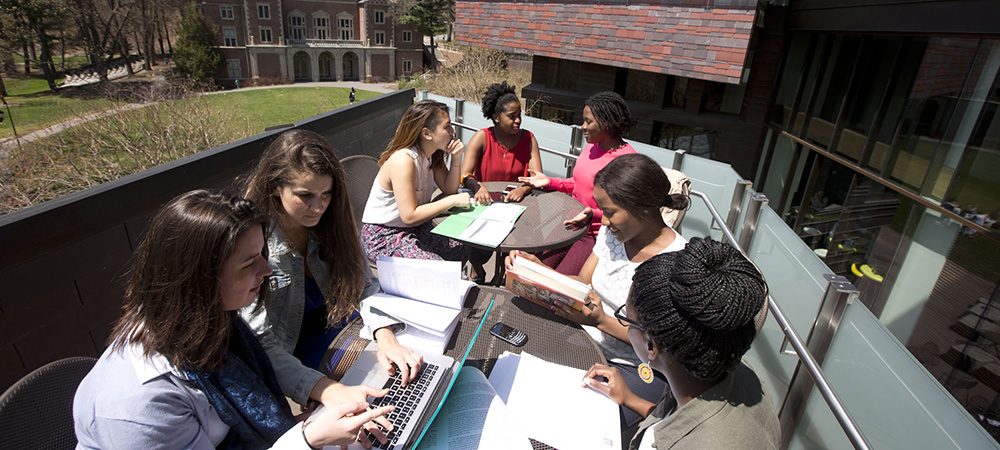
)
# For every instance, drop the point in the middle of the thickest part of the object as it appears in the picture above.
(832, 400)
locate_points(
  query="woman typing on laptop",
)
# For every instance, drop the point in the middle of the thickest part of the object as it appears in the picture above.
(320, 276)
(183, 370)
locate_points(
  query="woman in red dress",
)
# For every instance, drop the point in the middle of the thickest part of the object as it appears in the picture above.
(504, 151)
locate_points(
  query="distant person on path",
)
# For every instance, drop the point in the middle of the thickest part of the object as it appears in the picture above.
(606, 118)
(503, 152)
(237, 83)
(351, 96)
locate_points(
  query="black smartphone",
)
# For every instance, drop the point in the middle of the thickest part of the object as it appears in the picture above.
(508, 333)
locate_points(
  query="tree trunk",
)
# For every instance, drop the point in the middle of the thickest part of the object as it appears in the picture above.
(27, 58)
(123, 43)
(62, 50)
(45, 59)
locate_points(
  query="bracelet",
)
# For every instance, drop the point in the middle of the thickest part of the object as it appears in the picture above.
(306, 440)
(466, 176)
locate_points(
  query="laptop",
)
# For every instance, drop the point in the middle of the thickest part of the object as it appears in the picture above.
(418, 403)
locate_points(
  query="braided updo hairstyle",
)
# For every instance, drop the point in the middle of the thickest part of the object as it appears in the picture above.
(497, 97)
(698, 304)
(636, 183)
(611, 112)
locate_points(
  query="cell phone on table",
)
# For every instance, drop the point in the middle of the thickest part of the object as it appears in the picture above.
(509, 334)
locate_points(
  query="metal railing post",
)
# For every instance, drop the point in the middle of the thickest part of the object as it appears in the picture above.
(459, 116)
(839, 293)
(757, 203)
(679, 159)
(575, 148)
(736, 206)
(422, 94)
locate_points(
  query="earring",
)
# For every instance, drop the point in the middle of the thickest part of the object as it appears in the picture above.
(645, 373)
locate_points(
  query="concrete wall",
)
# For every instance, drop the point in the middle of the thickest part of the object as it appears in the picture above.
(63, 260)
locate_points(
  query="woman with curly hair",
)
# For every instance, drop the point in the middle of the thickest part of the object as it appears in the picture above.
(606, 119)
(503, 152)
(691, 316)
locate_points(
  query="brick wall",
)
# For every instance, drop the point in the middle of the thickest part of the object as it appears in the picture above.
(708, 43)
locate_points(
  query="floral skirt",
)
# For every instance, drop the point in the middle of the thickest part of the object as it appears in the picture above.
(414, 242)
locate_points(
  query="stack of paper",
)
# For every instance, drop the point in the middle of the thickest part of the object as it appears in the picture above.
(426, 295)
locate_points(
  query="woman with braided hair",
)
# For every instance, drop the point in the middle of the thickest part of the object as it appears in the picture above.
(691, 316)
(502, 152)
(606, 119)
(630, 190)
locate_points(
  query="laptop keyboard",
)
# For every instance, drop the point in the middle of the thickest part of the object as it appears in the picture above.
(406, 400)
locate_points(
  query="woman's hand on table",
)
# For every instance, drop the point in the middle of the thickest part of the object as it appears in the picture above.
(483, 195)
(345, 423)
(509, 259)
(608, 381)
(460, 200)
(580, 220)
(518, 194)
(536, 179)
(592, 313)
(391, 353)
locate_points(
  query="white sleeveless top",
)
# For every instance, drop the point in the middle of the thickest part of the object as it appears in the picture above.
(381, 208)
(611, 281)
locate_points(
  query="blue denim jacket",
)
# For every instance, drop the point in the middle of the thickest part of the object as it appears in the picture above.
(277, 326)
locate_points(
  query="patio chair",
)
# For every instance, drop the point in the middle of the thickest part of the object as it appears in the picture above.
(361, 172)
(679, 184)
(37, 411)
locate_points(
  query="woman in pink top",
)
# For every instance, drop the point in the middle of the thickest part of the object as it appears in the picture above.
(606, 118)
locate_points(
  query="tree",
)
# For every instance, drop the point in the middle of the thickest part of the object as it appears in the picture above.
(37, 19)
(427, 17)
(194, 56)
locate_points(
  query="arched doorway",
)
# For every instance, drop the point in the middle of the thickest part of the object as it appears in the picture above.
(326, 72)
(351, 67)
(300, 63)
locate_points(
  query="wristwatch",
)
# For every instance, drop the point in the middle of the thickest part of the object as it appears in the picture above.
(394, 328)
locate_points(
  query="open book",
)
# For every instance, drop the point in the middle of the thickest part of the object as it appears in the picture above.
(426, 295)
(545, 286)
(525, 397)
(483, 225)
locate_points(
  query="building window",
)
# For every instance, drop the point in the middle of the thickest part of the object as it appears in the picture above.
(233, 66)
(379, 38)
(265, 34)
(407, 36)
(263, 11)
(563, 73)
(379, 17)
(321, 27)
(407, 66)
(229, 37)
(297, 27)
(345, 25)
(226, 12)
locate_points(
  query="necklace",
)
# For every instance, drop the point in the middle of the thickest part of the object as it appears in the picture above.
(504, 147)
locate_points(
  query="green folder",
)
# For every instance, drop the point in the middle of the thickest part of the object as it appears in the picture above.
(457, 223)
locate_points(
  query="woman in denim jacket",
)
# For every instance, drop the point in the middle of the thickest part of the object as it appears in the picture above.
(319, 274)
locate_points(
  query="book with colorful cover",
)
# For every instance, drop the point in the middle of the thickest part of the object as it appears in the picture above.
(545, 286)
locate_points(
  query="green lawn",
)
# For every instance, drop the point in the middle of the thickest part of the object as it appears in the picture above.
(33, 108)
(269, 107)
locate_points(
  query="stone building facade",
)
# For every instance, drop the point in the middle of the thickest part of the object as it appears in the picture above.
(309, 40)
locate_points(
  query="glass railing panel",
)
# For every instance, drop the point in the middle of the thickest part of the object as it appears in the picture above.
(893, 399)
(795, 280)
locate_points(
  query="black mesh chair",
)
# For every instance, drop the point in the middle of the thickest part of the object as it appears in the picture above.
(37, 411)
(361, 172)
